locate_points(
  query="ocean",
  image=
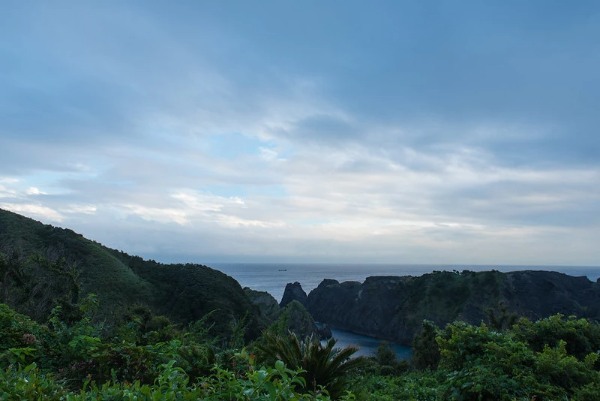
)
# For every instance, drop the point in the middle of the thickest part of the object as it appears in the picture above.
(272, 278)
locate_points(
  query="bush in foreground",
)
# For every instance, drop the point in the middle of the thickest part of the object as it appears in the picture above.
(276, 383)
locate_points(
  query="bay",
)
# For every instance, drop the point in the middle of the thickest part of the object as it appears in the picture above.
(367, 346)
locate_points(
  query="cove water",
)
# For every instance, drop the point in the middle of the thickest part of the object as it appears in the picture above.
(272, 278)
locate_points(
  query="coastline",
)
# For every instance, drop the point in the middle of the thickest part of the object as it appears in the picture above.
(273, 277)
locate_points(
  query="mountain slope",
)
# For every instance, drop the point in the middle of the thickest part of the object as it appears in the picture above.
(42, 266)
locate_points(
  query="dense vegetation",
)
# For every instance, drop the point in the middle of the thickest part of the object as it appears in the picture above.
(42, 266)
(149, 358)
(187, 332)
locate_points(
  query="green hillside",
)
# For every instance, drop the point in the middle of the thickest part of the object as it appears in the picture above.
(42, 266)
(63, 348)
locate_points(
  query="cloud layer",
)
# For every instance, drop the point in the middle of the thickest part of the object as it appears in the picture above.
(403, 133)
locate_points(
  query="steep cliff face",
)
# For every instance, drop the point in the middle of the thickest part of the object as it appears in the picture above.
(538, 294)
(394, 307)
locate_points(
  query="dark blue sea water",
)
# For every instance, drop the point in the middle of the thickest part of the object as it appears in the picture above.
(272, 277)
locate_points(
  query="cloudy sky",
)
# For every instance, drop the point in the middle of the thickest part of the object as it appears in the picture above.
(329, 131)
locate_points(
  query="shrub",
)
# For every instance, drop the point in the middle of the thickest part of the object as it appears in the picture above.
(322, 365)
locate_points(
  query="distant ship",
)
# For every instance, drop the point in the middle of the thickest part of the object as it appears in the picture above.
(282, 270)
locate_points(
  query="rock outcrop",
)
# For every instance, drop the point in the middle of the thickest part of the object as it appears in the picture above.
(265, 302)
(296, 319)
(292, 317)
(293, 292)
(393, 308)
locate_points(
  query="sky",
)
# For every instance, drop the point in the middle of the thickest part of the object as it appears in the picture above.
(435, 132)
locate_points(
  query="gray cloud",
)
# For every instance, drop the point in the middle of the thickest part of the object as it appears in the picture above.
(434, 133)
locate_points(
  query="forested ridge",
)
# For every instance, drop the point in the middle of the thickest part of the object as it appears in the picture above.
(44, 266)
(79, 321)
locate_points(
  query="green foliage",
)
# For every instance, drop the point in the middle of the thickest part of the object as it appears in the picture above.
(180, 340)
(589, 392)
(580, 335)
(294, 318)
(323, 366)
(140, 325)
(445, 293)
(58, 265)
(490, 365)
(482, 363)
(42, 267)
(77, 360)
(442, 296)
(21, 339)
(501, 318)
(485, 364)
(276, 383)
(35, 284)
(13, 326)
(422, 386)
(387, 362)
(565, 371)
(186, 293)
(426, 352)
(385, 355)
(29, 383)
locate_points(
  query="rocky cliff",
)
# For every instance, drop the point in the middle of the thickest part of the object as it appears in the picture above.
(293, 292)
(291, 316)
(393, 308)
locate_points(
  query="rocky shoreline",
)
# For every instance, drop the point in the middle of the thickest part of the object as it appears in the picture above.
(394, 307)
